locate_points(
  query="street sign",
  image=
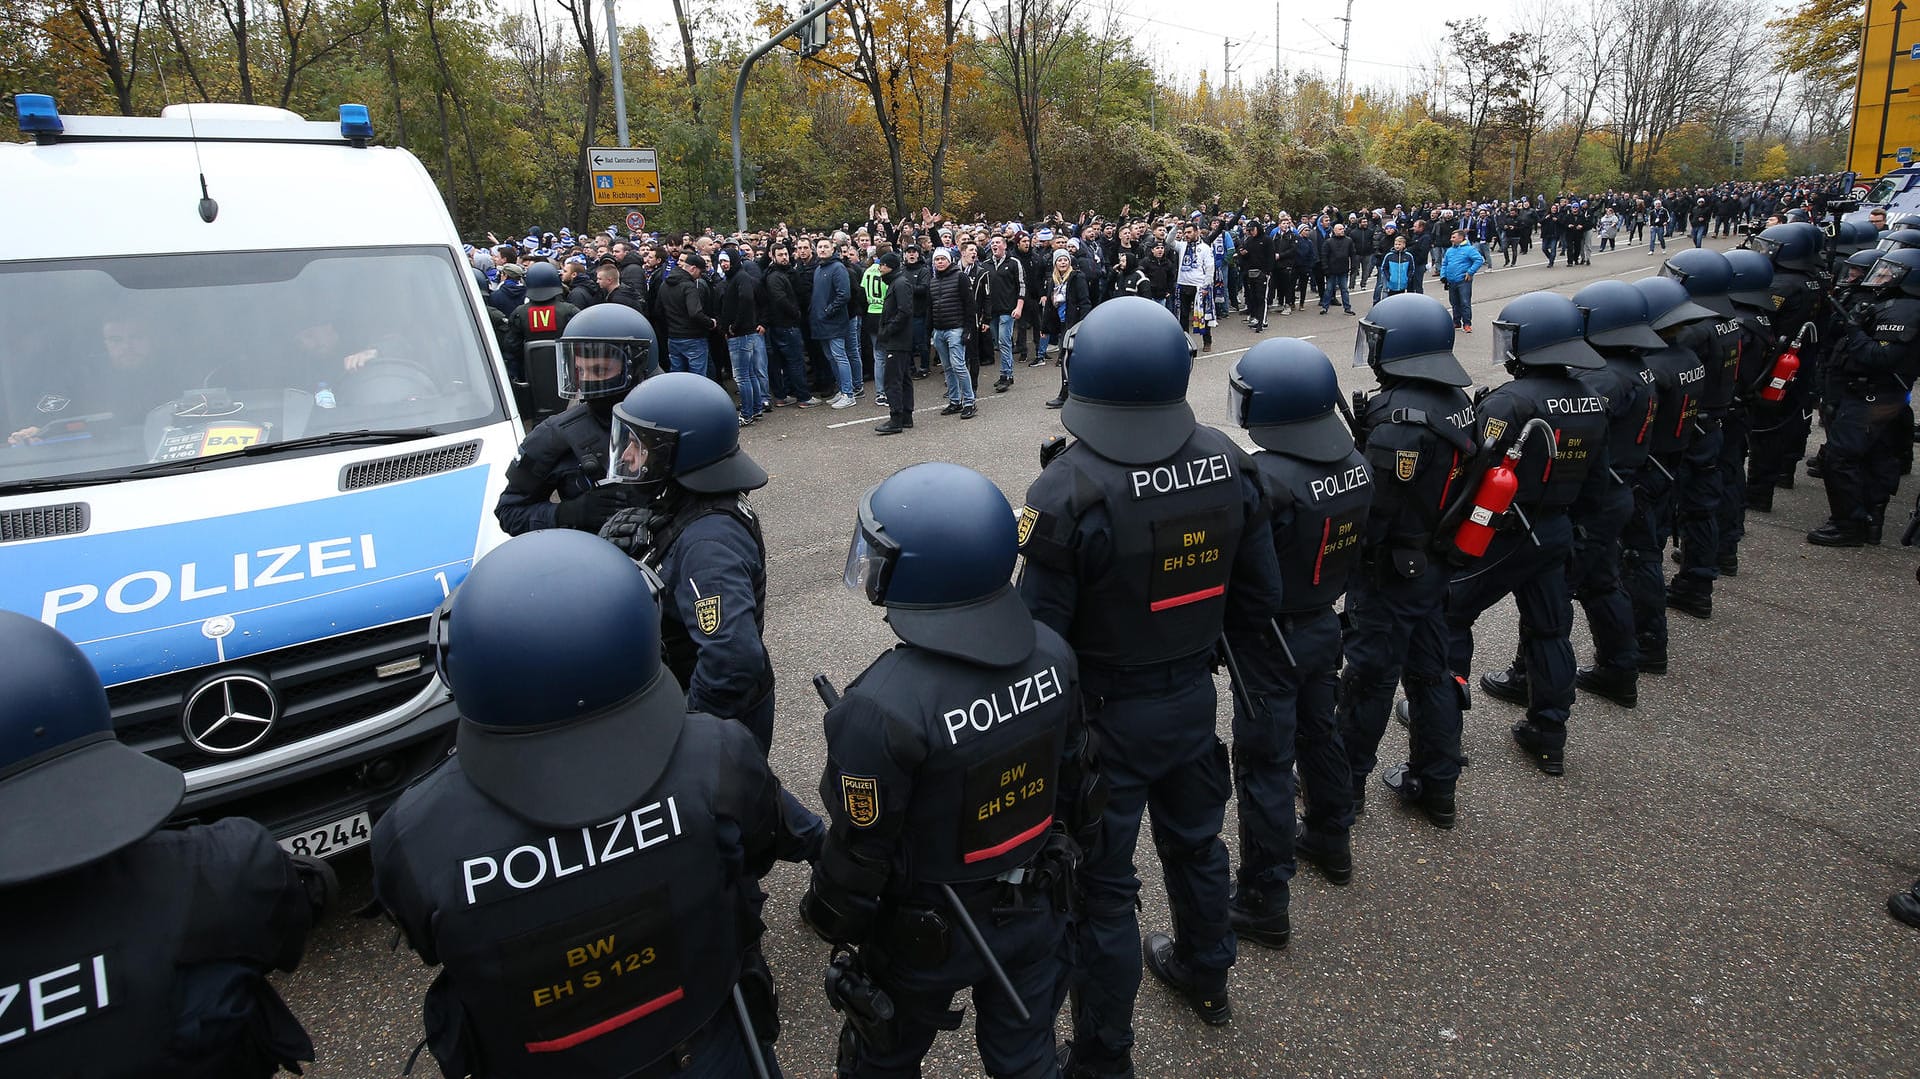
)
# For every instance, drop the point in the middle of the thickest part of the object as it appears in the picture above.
(636, 221)
(624, 176)
(1904, 155)
(1914, 53)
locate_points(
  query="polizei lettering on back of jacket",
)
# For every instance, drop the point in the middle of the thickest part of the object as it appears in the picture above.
(1570, 405)
(1339, 483)
(1180, 476)
(500, 874)
(988, 712)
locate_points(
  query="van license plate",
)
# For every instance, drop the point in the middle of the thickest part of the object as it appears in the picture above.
(327, 840)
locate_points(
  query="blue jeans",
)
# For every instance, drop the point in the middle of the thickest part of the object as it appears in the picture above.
(1003, 343)
(749, 355)
(856, 361)
(950, 346)
(879, 370)
(1699, 235)
(1549, 247)
(789, 362)
(837, 354)
(1460, 295)
(1336, 285)
(687, 354)
(1656, 235)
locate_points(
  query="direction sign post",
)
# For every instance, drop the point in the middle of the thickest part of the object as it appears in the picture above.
(624, 176)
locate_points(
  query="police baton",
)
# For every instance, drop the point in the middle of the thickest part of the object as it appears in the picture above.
(1281, 636)
(1234, 681)
(754, 1051)
(987, 957)
(823, 685)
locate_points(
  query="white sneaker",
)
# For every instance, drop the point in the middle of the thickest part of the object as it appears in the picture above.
(840, 400)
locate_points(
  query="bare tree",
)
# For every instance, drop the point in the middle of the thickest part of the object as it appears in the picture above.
(683, 20)
(112, 31)
(1027, 40)
(587, 32)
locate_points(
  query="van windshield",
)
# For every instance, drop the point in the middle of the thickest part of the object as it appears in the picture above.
(1886, 188)
(113, 364)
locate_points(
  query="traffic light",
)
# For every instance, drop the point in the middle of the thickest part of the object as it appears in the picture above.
(815, 34)
(1739, 152)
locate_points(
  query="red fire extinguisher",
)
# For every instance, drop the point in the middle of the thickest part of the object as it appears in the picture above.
(1494, 496)
(1784, 368)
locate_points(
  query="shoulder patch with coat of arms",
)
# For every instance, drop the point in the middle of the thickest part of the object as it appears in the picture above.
(1496, 428)
(861, 796)
(707, 610)
(1028, 518)
(1405, 462)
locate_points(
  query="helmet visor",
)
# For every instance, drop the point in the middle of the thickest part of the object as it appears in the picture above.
(1885, 274)
(641, 452)
(595, 367)
(871, 555)
(1763, 245)
(1506, 342)
(1668, 269)
(1239, 396)
(1366, 343)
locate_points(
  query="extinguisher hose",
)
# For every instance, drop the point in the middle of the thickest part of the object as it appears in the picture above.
(1553, 441)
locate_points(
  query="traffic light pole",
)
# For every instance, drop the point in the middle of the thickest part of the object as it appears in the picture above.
(740, 98)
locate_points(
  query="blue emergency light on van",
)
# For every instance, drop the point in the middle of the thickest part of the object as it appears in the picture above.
(355, 123)
(38, 114)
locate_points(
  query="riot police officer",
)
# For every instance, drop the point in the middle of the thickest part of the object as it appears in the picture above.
(1144, 539)
(676, 448)
(1416, 433)
(1678, 373)
(1553, 428)
(146, 949)
(1618, 327)
(543, 317)
(602, 353)
(1871, 370)
(1285, 394)
(1706, 275)
(955, 778)
(1780, 429)
(585, 867)
(1752, 308)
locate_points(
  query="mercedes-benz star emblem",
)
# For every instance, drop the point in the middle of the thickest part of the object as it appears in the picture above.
(230, 715)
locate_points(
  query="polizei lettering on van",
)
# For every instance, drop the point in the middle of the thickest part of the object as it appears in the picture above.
(1017, 699)
(145, 589)
(1181, 476)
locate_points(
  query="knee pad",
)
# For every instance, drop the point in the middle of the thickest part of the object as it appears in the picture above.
(1177, 855)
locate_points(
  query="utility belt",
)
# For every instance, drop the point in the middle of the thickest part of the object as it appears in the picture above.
(1148, 680)
(1872, 386)
(919, 933)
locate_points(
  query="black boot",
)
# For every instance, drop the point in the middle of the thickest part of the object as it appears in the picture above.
(1905, 906)
(1760, 499)
(1075, 1066)
(1689, 600)
(1548, 758)
(1838, 534)
(1508, 685)
(1331, 854)
(1261, 917)
(1209, 1002)
(1620, 687)
(1414, 795)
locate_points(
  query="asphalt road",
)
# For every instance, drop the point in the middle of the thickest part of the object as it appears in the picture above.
(1702, 894)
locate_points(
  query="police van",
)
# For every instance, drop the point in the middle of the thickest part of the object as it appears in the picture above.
(255, 423)
(1898, 192)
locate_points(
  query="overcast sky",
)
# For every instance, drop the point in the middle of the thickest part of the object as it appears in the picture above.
(1392, 40)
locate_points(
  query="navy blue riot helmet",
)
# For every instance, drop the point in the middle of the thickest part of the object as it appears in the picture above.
(1900, 238)
(1707, 276)
(552, 649)
(1616, 315)
(1127, 387)
(1409, 336)
(1898, 269)
(543, 283)
(70, 793)
(1851, 236)
(1543, 329)
(1668, 303)
(935, 544)
(603, 350)
(1752, 278)
(1285, 393)
(1792, 246)
(681, 427)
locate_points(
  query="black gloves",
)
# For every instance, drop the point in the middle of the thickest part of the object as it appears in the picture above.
(588, 511)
